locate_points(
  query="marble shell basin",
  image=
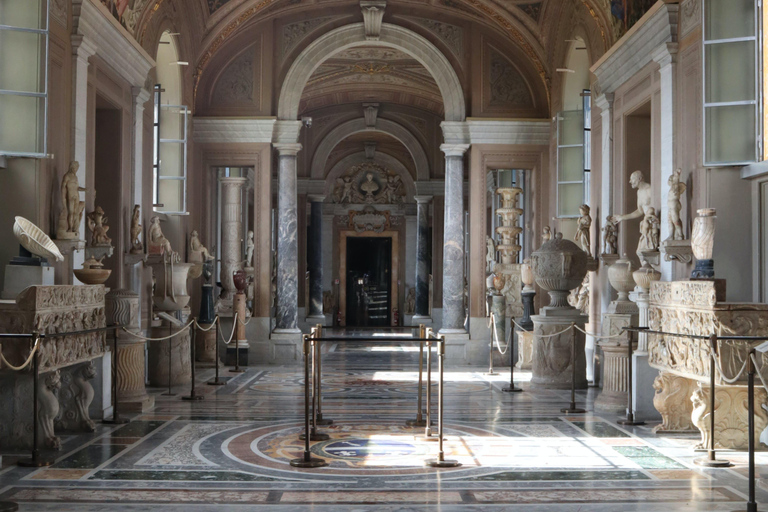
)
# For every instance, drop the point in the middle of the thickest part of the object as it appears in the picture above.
(559, 265)
(34, 240)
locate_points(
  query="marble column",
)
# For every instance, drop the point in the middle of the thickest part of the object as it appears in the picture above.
(231, 238)
(666, 57)
(421, 311)
(287, 243)
(642, 374)
(140, 97)
(315, 260)
(453, 240)
(605, 104)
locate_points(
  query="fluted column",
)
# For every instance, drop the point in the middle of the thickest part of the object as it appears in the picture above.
(231, 234)
(421, 311)
(315, 259)
(287, 243)
(453, 240)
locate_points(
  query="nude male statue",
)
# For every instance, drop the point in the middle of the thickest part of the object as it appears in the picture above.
(643, 202)
(70, 196)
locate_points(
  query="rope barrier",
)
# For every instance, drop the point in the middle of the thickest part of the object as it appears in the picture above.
(26, 363)
(723, 378)
(211, 326)
(496, 337)
(598, 337)
(234, 327)
(144, 338)
(245, 323)
(757, 371)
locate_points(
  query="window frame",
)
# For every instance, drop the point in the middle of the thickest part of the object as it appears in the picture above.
(45, 32)
(757, 102)
(558, 119)
(158, 141)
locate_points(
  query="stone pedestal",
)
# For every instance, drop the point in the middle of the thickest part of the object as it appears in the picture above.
(673, 401)
(552, 361)
(528, 309)
(642, 373)
(731, 416)
(205, 344)
(239, 345)
(524, 350)
(498, 309)
(613, 397)
(122, 307)
(159, 352)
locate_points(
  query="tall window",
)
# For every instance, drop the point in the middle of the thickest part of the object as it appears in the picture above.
(171, 120)
(570, 163)
(731, 75)
(24, 78)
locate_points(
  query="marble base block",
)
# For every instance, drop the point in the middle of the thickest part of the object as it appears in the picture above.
(205, 344)
(642, 388)
(552, 362)
(524, 350)
(159, 352)
(131, 391)
(19, 277)
(615, 367)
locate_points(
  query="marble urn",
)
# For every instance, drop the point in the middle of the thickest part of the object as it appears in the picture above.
(702, 243)
(171, 286)
(646, 275)
(559, 266)
(620, 275)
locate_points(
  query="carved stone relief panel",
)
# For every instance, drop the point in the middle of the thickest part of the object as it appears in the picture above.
(293, 33)
(508, 88)
(369, 183)
(451, 35)
(237, 84)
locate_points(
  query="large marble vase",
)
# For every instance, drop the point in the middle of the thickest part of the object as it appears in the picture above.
(171, 285)
(702, 243)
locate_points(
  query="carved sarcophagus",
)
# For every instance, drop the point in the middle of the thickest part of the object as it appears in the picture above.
(699, 308)
(55, 309)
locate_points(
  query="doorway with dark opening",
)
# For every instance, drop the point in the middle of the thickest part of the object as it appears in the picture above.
(369, 272)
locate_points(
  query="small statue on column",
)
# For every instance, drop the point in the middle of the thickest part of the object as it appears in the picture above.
(136, 246)
(582, 232)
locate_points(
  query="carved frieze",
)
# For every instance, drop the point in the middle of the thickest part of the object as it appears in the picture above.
(369, 219)
(369, 183)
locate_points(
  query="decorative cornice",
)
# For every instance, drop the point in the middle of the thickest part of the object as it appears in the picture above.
(243, 130)
(509, 131)
(637, 48)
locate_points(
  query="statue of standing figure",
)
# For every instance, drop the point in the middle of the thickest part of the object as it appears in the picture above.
(136, 246)
(610, 238)
(249, 246)
(643, 204)
(676, 191)
(649, 231)
(582, 232)
(72, 207)
(97, 225)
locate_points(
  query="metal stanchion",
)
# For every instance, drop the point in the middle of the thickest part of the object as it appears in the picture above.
(630, 419)
(192, 395)
(490, 352)
(419, 421)
(237, 368)
(35, 461)
(441, 461)
(170, 354)
(512, 388)
(307, 461)
(751, 504)
(710, 461)
(428, 423)
(116, 419)
(319, 420)
(314, 435)
(572, 409)
(216, 381)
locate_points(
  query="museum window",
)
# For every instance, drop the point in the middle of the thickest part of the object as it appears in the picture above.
(570, 162)
(24, 78)
(171, 121)
(732, 110)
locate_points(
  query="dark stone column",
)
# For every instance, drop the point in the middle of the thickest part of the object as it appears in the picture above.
(453, 240)
(315, 260)
(287, 243)
(421, 311)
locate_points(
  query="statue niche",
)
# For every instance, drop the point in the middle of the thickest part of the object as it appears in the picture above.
(369, 183)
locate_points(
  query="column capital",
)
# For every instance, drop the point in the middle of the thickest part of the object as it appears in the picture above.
(605, 101)
(287, 149)
(82, 47)
(666, 54)
(423, 199)
(454, 149)
(233, 180)
(286, 132)
(316, 198)
(140, 96)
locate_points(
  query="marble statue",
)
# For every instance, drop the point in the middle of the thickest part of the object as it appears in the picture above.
(136, 246)
(48, 409)
(582, 232)
(490, 255)
(369, 187)
(72, 208)
(410, 301)
(344, 189)
(676, 191)
(198, 252)
(610, 237)
(649, 231)
(97, 225)
(547, 234)
(393, 183)
(643, 201)
(249, 246)
(158, 244)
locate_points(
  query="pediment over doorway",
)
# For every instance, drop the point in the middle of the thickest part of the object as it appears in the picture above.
(369, 183)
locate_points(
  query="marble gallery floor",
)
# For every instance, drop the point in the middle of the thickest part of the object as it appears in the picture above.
(230, 451)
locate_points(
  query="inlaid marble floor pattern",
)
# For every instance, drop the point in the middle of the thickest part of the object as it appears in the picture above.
(231, 451)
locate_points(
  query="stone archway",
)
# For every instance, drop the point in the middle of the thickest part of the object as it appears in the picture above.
(392, 128)
(391, 36)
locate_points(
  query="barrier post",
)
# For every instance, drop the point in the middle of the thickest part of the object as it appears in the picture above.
(419, 421)
(441, 461)
(320, 420)
(306, 460)
(751, 504)
(512, 388)
(572, 409)
(35, 461)
(116, 419)
(710, 460)
(428, 423)
(490, 352)
(216, 381)
(630, 419)
(193, 339)
(170, 354)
